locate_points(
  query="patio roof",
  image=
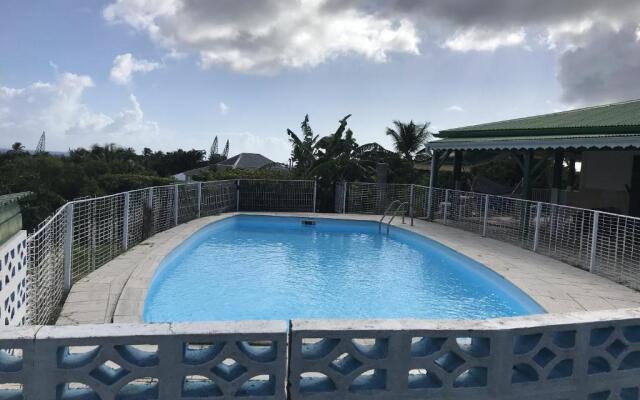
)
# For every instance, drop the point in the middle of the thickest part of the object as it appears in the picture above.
(609, 126)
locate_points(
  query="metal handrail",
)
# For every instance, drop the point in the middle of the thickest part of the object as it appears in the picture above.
(395, 213)
(385, 214)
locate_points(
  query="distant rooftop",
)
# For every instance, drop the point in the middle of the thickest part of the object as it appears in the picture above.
(245, 161)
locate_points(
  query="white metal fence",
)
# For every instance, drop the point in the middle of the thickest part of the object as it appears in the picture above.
(85, 234)
(603, 243)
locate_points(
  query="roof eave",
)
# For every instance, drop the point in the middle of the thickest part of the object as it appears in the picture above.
(617, 142)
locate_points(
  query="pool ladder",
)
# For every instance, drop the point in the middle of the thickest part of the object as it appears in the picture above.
(399, 206)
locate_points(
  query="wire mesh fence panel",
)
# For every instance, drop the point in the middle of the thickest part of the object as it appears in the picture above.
(616, 254)
(218, 197)
(565, 234)
(420, 201)
(511, 220)
(83, 254)
(187, 202)
(264, 195)
(463, 210)
(163, 208)
(374, 198)
(628, 254)
(363, 198)
(108, 220)
(138, 199)
(45, 272)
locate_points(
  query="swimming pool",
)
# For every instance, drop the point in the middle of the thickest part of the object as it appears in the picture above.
(261, 268)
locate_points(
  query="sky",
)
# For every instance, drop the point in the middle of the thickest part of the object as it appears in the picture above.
(169, 74)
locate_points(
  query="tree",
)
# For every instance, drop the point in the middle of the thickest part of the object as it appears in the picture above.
(332, 158)
(17, 147)
(409, 138)
(303, 153)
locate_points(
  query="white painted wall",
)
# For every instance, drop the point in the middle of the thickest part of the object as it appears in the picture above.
(603, 180)
(13, 275)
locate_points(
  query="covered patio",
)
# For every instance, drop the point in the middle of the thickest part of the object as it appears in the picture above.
(603, 141)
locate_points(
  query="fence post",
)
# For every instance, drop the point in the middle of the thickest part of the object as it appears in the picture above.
(199, 198)
(125, 222)
(237, 194)
(594, 241)
(176, 200)
(411, 203)
(344, 197)
(68, 246)
(536, 234)
(430, 204)
(315, 191)
(486, 215)
(446, 205)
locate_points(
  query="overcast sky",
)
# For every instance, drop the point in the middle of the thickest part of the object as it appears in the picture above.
(175, 73)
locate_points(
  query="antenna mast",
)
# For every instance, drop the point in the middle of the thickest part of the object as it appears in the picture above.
(41, 148)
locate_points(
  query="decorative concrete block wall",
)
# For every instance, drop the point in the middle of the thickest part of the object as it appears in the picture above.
(582, 356)
(160, 361)
(13, 280)
(589, 356)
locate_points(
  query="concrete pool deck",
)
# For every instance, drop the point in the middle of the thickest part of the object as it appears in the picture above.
(116, 291)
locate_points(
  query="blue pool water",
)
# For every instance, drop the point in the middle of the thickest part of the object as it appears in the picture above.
(258, 268)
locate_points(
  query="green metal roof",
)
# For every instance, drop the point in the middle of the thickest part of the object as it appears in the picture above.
(610, 119)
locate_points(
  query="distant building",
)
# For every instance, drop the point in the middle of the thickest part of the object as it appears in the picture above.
(242, 161)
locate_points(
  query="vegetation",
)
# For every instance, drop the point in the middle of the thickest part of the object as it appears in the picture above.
(97, 171)
(107, 169)
(338, 157)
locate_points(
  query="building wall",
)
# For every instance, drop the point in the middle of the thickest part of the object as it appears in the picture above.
(603, 180)
(10, 221)
(13, 280)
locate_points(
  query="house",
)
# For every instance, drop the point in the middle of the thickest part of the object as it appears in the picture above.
(604, 139)
(242, 161)
(245, 161)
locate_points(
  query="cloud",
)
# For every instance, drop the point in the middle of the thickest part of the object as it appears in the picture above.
(603, 67)
(266, 36)
(455, 108)
(59, 109)
(475, 39)
(223, 108)
(125, 65)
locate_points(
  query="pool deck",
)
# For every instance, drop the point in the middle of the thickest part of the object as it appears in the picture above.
(116, 291)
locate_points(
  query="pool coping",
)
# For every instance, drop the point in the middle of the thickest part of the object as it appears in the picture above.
(116, 291)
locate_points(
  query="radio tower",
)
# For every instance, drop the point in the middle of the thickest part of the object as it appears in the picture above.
(41, 148)
(225, 152)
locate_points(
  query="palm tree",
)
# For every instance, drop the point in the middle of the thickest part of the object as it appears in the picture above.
(17, 147)
(409, 138)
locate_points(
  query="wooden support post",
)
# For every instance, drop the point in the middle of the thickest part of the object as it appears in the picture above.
(457, 169)
(558, 164)
(433, 181)
(527, 175)
(571, 178)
